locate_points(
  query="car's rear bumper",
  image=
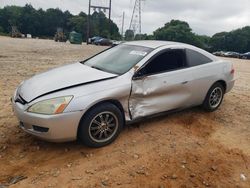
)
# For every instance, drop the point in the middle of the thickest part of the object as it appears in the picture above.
(230, 85)
(55, 128)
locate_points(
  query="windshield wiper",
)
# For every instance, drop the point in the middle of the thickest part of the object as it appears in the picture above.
(104, 70)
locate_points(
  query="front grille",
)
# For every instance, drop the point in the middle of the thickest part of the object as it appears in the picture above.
(20, 100)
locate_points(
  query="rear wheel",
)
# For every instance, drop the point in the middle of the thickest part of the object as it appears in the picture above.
(101, 125)
(214, 97)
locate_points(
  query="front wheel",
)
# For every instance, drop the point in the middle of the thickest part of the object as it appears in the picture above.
(214, 97)
(101, 125)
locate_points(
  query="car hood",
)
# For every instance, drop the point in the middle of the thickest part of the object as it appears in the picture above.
(60, 78)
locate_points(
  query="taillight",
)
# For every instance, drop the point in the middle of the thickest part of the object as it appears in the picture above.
(232, 70)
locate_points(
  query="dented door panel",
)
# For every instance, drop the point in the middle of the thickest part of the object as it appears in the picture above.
(161, 92)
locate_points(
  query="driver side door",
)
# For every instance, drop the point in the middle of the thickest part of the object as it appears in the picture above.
(163, 83)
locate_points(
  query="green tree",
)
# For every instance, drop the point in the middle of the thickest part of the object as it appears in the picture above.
(178, 31)
(129, 35)
(141, 37)
(78, 24)
(236, 40)
(204, 41)
(29, 20)
(45, 23)
(10, 16)
(150, 37)
(100, 26)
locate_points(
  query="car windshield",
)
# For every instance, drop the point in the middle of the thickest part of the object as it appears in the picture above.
(119, 59)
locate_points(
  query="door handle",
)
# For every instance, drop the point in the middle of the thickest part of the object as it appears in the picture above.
(185, 82)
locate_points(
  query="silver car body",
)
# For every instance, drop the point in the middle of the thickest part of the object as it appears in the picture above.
(137, 98)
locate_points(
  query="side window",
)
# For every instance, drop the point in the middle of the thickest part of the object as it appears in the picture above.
(195, 58)
(166, 61)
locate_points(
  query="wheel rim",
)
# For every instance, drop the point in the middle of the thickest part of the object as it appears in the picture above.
(215, 97)
(103, 127)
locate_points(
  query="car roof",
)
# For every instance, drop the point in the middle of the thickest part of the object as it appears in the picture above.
(153, 43)
(157, 43)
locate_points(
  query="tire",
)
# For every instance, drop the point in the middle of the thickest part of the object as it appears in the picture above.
(214, 97)
(101, 125)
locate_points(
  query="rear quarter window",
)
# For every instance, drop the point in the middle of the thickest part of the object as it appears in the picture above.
(195, 58)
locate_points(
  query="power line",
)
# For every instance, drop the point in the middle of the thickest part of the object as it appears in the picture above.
(123, 16)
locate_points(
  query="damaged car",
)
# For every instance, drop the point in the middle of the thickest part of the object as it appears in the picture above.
(92, 100)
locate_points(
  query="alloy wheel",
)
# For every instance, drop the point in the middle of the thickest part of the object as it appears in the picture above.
(215, 97)
(103, 127)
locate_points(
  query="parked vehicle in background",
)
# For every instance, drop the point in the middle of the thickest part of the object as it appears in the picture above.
(93, 99)
(95, 38)
(245, 55)
(103, 42)
(115, 42)
(232, 54)
(219, 53)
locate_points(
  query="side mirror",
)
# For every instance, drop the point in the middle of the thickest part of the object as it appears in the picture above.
(139, 74)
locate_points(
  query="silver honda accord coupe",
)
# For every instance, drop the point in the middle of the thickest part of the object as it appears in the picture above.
(92, 100)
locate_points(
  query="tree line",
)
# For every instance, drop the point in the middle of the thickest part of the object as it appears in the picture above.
(237, 40)
(44, 23)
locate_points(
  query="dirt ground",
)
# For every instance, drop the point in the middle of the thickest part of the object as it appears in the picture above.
(185, 149)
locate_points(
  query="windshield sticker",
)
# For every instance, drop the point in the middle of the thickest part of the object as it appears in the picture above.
(140, 53)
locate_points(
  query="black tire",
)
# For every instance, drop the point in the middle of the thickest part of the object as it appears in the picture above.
(105, 118)
(214, 97)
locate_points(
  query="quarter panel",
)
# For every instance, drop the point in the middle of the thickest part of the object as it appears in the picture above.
(204, 77)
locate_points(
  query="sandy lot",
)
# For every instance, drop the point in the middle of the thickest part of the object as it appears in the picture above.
(185, 149)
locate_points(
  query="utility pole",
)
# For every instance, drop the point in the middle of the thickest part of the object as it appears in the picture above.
(88, 24)
(110, 28)
(100, 8)
(123, 16)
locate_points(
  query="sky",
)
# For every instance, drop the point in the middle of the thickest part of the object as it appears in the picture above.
(205, 17)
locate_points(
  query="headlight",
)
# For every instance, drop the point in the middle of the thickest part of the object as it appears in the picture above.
(51, 106)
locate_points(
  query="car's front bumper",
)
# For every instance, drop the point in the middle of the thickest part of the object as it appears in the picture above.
(55, 128)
